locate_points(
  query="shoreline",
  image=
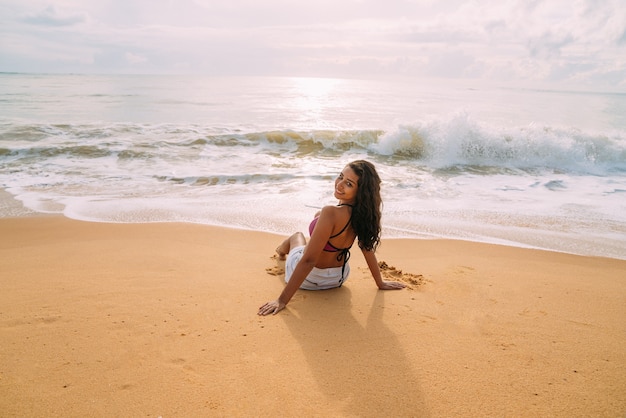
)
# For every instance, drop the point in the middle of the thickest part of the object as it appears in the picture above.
(160, 320)
(13, 208)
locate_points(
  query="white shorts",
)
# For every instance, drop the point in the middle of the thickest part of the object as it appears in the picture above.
(318, 279)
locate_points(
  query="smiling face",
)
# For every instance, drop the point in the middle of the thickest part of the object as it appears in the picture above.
(346, 186)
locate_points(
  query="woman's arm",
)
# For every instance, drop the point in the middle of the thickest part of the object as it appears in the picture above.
(372, 263)
(323, 230)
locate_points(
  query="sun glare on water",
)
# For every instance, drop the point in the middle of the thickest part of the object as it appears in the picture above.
(313, 97)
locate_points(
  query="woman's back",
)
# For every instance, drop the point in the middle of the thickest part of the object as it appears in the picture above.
(335, 219)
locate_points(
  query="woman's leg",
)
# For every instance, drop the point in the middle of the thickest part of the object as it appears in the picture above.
(296, 240)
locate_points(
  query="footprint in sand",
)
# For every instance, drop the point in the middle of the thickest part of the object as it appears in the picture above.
(392, 273)
(275, 271)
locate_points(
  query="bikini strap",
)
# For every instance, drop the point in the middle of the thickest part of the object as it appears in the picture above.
(345, 226)
(344, 253)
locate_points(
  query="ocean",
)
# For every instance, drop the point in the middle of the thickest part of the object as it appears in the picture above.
(536, 168)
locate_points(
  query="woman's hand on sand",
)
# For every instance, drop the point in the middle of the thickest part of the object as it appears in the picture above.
(387, 285)
(271, 308)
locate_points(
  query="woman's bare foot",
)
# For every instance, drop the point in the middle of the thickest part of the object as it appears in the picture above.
(293, 241)
(281, 254)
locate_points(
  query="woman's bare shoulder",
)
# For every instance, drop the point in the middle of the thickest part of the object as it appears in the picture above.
(328, 213)
(331, 210)
(335, 213)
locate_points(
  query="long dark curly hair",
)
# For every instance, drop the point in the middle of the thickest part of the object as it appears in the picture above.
(366, 213)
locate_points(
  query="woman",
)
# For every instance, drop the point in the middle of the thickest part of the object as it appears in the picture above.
(323, 262)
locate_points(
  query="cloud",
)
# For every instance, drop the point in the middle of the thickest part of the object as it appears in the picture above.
(549, 45)
(512, 40)
(50, 16)
(134, 58)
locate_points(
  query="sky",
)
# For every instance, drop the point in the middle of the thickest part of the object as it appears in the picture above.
(570, 42)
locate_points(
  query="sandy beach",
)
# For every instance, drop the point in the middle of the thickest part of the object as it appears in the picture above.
(132, 320)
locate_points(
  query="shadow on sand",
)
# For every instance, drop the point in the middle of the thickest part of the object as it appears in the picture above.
(362, 367)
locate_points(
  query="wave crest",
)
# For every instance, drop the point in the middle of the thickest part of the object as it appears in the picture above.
(461, 141)
(457, 141)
